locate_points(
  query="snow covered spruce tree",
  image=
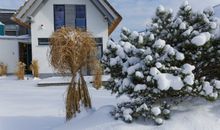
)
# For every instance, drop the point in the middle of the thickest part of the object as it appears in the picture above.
(153, 68)
(190, 33)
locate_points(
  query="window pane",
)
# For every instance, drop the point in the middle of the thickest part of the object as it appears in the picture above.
(59, 16)
(80, 23)
(80, 11)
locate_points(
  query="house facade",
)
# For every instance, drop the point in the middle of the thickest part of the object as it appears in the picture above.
(43, 17)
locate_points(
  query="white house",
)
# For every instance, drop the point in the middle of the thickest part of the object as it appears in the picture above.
(43, 17)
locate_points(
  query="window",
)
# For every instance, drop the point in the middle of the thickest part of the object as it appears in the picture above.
(80, 21)
(43, 41)
(59, 16)
(99, 45)
(70, 15)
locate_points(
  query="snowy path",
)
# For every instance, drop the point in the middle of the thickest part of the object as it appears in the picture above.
(23, 106)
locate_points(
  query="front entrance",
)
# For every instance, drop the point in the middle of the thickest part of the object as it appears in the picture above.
(25, 55)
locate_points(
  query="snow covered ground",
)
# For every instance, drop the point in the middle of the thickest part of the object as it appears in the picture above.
(24, 106)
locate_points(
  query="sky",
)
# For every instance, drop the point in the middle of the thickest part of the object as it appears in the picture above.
(135, 13)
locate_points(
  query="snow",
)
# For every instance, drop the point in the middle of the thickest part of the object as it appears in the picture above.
(142, 107)
(207, 88)
(161, 9)
(120, 52)
(156, 111)
(127, 47)
(115, 61)
(151, 38)
(201, 39)
(148, 58)
(133, 68)
(188, 31)
(140, 87)
(183, 26)
(141, 39)
(158, 65)
(27, 107)
(154, 71)
(165, 81)
(126, 114)
(159, 121)
(213, 25)
(185, 3)
(180, 56)
(134, 35)
(189, 80)
(159, 44)
(187, 69)
(217, 84)
(139, 74)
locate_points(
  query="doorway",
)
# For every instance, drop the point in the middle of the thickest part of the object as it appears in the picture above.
(25, 55)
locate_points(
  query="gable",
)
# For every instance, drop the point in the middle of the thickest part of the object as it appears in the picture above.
(31, 7)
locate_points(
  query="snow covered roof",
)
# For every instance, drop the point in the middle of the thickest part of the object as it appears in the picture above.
(217, 10)
(31, 7)
(25, 38)
(7, 11)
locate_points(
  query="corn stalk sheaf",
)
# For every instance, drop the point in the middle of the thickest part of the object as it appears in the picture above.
(34, 67)
(71, 50)
(20, 70)
(3, 69)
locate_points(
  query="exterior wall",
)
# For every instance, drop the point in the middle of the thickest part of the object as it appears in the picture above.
(9, 54)
(96, 25)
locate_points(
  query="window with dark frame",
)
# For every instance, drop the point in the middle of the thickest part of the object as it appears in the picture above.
(43, 41)
(70, 15)
(99, 45)
(80, 21)
(59, 16)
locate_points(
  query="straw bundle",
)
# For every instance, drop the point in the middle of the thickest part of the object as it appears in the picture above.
(3, 69)
(20, 70)
(72, 50)
(34, 67)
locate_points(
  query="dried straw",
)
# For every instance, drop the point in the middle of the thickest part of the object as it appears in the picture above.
(3, 69)
(72, 50)
(20, 70)
(34, 67)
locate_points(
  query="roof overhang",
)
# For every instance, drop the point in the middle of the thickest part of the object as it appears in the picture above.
(29, 9)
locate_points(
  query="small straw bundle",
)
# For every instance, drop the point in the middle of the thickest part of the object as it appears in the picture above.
(20, 70)
(3, 69)
(34, 67)
(71, 50)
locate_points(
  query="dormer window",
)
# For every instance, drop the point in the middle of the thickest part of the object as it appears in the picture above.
(70, 15)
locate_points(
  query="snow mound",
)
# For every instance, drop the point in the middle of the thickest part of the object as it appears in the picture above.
(165, 81)
(90, 120)
(201, 39)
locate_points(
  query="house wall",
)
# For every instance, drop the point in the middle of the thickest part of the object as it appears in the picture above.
(96, 25)
(9, 54)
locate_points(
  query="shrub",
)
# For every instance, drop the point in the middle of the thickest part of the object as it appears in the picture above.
(162, 66)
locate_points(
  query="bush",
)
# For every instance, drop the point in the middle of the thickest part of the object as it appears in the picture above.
(159, 68)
